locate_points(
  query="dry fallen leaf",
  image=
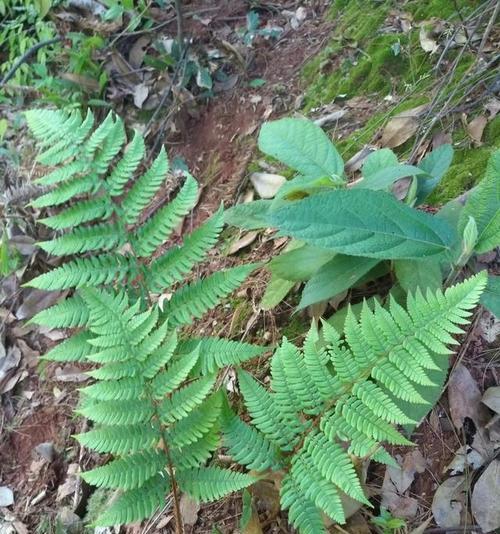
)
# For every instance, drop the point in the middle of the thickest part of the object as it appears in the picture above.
(485, 508)
(70, 373)
(448, 502)
(493, 106)
(397, 481)
(464, 397)
(491, 398)
(401, 127)
(427, 42)
(138, 51)
(475, 129)
(189, 510)
(267, 184)
(242, 242)
(141, 93)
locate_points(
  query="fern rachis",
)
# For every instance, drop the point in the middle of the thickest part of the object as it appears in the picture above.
(340, 397)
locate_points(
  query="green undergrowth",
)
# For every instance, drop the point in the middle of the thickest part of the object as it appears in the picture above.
(469, 164)
(366, 57)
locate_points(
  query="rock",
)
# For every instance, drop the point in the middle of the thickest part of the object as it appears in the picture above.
(6, 496)
(46, 451)
(70, 522)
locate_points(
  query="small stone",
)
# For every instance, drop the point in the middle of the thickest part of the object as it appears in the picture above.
(6, 496)
(70, 522)
(46, 451)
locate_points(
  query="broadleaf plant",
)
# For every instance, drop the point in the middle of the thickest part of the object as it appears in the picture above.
(333, 223)
(154, 403)
(336, 402)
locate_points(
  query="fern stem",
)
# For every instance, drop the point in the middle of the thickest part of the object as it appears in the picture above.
(179, 526)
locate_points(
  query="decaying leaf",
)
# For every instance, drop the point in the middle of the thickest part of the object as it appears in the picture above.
(70, 373)
(189, 510)
(427, 42)
(141, 93)
(397, 482)
(242, 242)
(475, 129)
(267, 184)
(464, 397)
(401, 127)
(485, 507)
(448, 502)
(491, 398)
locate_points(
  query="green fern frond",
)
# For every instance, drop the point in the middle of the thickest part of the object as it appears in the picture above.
(118, 412)
(249, 447)
(126, 389)
(302, 512)
(339, 397)
(159, 227)
(120, 439)
(66, 191)
(136, 504)
(150, 405)
(195, 299)
(216, 353)
(198, 452)
(101, 236)
(69, 313)
(183, 401)
(61, 174)
(212, 483)
(85, 211)
(145, 188)
(178, 261)
(74, 349)
(167, 381)
(197, 423)
(128, 472)
(126, 167)
(92, 271)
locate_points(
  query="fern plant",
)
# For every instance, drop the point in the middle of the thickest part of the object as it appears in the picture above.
(161, 429)
(339, 398)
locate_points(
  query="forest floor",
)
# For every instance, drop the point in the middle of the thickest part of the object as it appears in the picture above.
(302, 71)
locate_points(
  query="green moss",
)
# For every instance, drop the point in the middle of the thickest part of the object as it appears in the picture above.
(442, 9)
(295, 328)
(466, 171)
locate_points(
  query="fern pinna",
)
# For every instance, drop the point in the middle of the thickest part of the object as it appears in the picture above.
(161, 430)
(339, 398)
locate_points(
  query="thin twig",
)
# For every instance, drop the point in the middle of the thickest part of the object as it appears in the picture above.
(180, 23)
(30, 52)
(488, 29)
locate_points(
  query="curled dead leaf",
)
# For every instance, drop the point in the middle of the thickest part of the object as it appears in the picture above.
(267, 184)
(485, 507)
(475, 129)
(401, 127)
(448, 502)
(242, 242)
